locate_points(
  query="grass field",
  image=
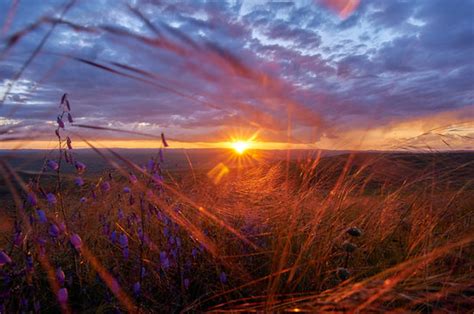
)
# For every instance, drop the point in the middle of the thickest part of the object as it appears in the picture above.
(366, 232)
(238, 209)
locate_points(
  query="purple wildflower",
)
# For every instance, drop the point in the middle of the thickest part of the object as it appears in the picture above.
(63, 98)
(62, 227)
(51, 198)
(106, 228)
(78, 181)
(105, 186)
(159, 215)
(157, 179)
(42, 216)
(123, 240)
(83, 199)
(151, 165)
(126, 190)
(31, 199)
(133, 179)
(126, 252)
(174, 253)
(76, 241)
(186, 283)
(60, 122)
(53, 165)
(18, 238)
(223, 277)
(4, 258)
(80, 167)
(136, 288)
(62, 295)
(29, 261)
(68, 142)
(54, 230)
(113, 236)
(60, 276)
(165, 262)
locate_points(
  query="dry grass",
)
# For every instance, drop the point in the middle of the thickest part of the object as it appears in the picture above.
(278, 234)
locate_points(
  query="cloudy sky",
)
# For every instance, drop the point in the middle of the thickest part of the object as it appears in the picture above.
(331, 74)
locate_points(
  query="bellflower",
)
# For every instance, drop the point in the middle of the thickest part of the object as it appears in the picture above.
(76, 241)
(80, 167)
(53, 165)
(62, 295)
(51, 198)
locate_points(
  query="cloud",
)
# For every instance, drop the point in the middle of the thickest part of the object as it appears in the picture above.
(203, 68)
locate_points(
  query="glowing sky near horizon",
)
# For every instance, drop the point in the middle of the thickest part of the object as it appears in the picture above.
(331, 74)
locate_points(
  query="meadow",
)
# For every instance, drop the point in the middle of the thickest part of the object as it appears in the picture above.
(368, 232)
(238, 229)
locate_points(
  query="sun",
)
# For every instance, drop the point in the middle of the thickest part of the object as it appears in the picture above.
(240, 146)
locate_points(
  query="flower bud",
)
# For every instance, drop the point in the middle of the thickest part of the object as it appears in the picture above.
(54, 230)
(342, 273)
(31, 199)
(69, 118)
(223, 277)
(51, 198)
(136, 288)
(42, 216)
(68, 142)
(76, 241)
(53, 165)
(354, 231)
(349, 247)
(62, 295)
(105, 186)
(60, 276)
(60, 122)
(4, 258)
(80, 167)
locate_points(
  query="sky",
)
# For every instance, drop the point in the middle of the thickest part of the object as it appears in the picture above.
(330, 74)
